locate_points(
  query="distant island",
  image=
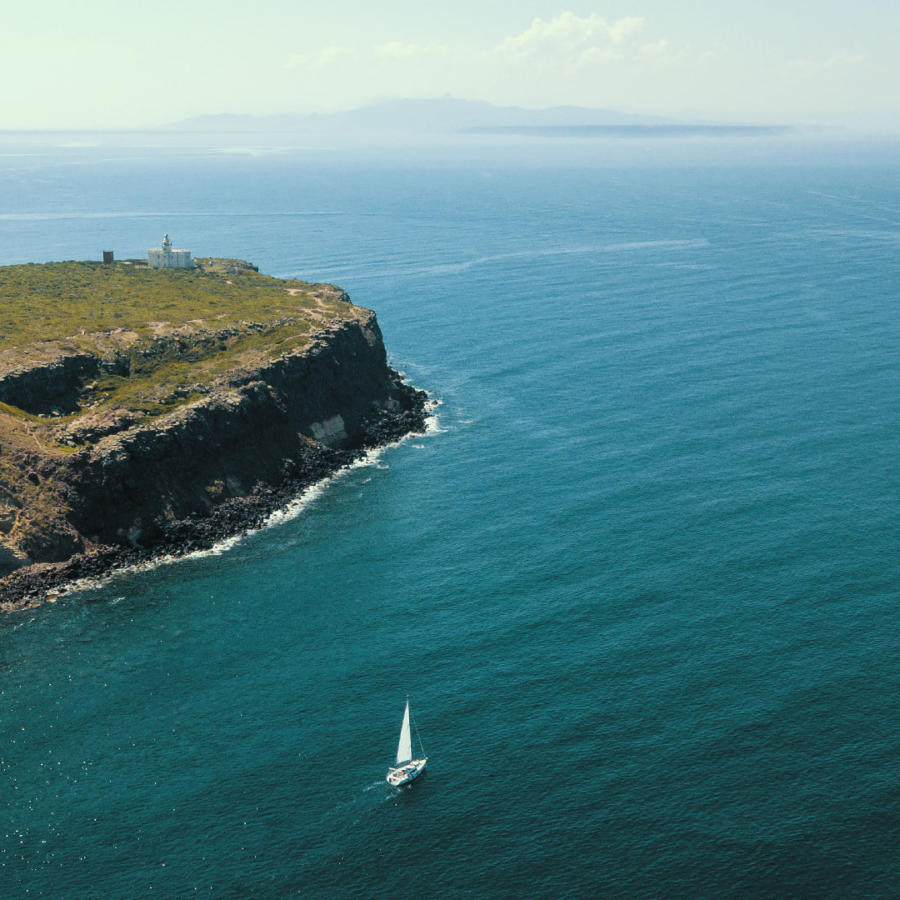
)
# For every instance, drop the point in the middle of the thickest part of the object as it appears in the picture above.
(632, 131)
(445, 116)
(148, 410)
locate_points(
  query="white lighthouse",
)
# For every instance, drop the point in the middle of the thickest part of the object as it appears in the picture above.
(166, 258)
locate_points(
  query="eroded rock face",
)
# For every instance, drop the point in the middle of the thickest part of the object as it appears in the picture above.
(217, 463)
(90, 428)
(11, 558)
(49, 387)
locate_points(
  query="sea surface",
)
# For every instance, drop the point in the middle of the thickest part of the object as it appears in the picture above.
(641, 580)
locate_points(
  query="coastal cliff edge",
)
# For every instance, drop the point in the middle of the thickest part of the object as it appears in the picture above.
(156, 437)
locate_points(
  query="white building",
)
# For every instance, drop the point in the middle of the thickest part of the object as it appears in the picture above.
(166, 258)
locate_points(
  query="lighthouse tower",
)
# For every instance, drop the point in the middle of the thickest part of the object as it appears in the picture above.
(165, 257)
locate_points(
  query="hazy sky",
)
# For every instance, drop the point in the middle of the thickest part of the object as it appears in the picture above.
(105, 64)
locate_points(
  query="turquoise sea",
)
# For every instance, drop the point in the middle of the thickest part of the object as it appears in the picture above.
(640, 581)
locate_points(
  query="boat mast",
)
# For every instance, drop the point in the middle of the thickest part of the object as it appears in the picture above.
(404, 748)
(418, 736)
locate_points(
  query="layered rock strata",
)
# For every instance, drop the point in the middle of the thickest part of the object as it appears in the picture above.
(103, 485)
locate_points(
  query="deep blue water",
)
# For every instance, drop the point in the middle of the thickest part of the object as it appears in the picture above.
(641, 587)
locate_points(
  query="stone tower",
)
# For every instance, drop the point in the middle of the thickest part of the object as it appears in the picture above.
(165, 257)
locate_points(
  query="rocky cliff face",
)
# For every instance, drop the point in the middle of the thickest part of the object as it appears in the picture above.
(259, 424)
(87, 484)
(48, 386)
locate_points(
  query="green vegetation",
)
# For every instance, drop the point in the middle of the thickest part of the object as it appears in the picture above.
(53, 301)
(166, 336)
(181, 374)
(158, 338)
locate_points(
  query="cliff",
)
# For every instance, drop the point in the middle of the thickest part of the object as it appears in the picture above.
(165, 434)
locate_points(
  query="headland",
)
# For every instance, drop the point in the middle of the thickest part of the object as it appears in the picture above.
(155, 411)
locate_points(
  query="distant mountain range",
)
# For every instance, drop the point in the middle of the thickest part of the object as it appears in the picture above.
(448, 115)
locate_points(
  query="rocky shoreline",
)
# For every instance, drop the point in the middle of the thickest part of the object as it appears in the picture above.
(127, 438)
(310, 464)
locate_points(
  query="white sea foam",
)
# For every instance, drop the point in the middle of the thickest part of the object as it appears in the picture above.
(461, 266)
(253, 151)
(433, 420)
(369, 459)
(691, 244)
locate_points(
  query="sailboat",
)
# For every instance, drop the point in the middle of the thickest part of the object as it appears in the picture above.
(406, 768)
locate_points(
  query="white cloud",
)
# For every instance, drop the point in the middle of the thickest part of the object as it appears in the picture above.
(586, 38)
(601, 55)
(399, 50)
(809, 67)
(655, 49)
(318, 60)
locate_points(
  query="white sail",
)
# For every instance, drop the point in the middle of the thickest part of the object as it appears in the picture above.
(404, 748)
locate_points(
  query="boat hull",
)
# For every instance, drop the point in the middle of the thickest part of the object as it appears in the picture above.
(397, 776)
